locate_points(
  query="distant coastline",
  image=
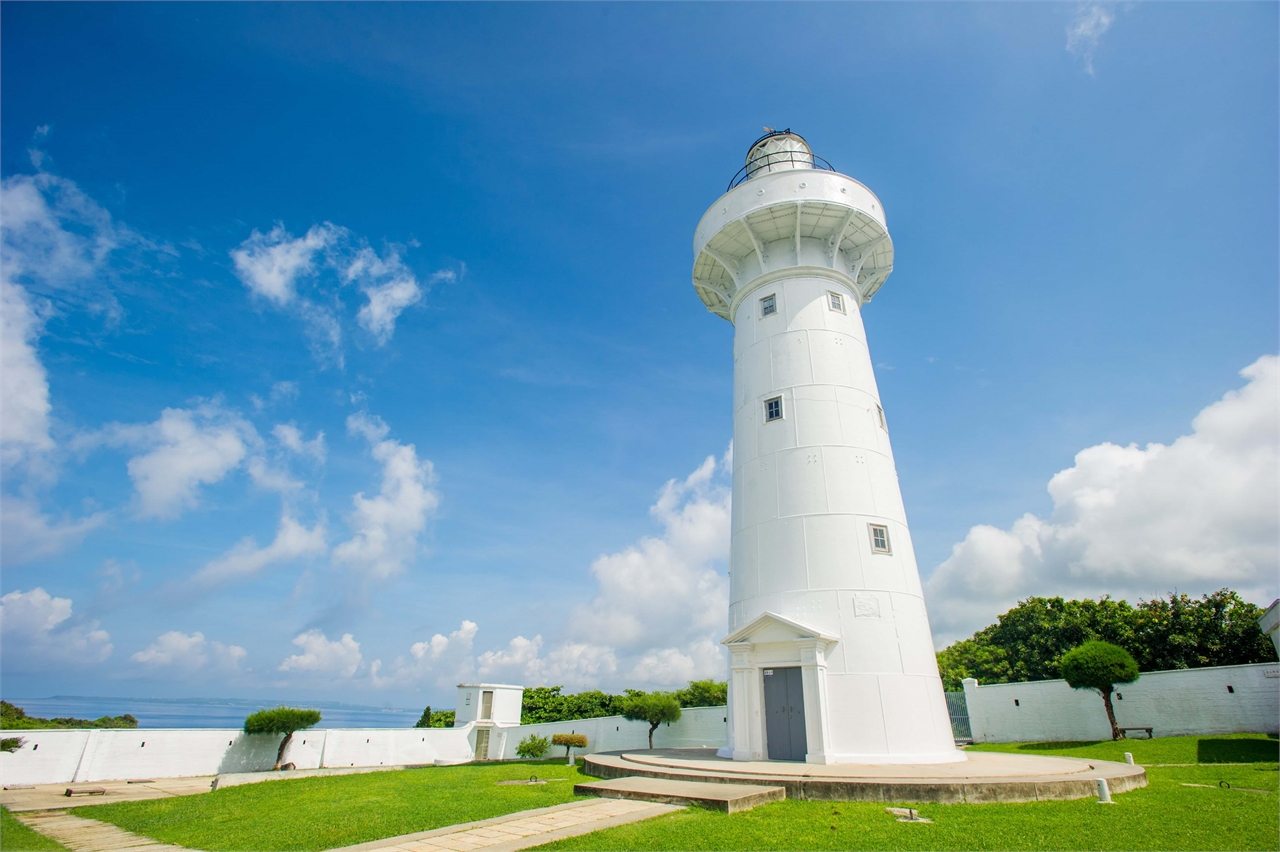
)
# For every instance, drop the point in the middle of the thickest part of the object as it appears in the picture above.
(209, 712)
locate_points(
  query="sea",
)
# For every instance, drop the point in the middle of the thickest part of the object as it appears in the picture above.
(209, 713)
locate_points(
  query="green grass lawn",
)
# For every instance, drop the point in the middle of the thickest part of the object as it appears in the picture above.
(16, 837)
(339, 810)
(1165, 815)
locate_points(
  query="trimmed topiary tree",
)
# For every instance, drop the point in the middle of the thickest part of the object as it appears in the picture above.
(652, 707)
(281, 720)
(570, 742)
(1099, 666)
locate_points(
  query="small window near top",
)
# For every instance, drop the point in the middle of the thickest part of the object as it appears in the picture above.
(836, 301)
(768, 306)
(773, 409)
(879, 538)
(880, 418)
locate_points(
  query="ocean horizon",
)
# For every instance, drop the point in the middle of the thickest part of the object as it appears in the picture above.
(210, 712)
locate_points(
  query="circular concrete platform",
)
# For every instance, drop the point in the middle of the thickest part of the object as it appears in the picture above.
(981, 777)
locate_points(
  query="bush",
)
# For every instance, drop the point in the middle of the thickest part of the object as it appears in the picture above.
(1099, 666)
(10, 744)
(15, 718)
(704, 693)
(424, 721)
(533, 746)
(281, 720)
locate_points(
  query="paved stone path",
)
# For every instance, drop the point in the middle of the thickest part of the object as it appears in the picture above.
(500, 834)
(90, 835)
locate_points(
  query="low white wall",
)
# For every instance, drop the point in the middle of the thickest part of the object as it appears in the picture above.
(65, 756)
(62, 756)
(1182, 702)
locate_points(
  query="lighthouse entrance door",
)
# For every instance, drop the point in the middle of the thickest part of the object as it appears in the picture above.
(784, 714)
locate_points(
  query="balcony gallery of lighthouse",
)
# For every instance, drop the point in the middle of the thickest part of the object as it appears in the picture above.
(832, 658)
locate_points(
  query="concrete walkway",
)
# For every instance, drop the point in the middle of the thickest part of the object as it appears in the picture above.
(90, 835)
(500, 834)
(51, 797)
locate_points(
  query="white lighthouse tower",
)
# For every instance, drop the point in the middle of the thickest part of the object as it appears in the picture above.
(832, 657)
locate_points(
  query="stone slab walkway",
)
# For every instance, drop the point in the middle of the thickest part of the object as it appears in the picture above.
(49, 797)
(90, 835)
(521, 830)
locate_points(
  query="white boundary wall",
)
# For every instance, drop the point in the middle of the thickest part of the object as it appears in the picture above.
(65, 756)
(1182, 702)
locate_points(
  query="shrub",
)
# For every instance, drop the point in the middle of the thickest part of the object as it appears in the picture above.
(1099, 666)
(424, 721)
(704, 693)
(10, 744)
(569, 741)
(281, 720)
(533, 746)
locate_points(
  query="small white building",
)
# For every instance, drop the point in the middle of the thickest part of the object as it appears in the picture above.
(488, 708)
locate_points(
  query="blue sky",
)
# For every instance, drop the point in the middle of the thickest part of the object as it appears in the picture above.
(455, 239)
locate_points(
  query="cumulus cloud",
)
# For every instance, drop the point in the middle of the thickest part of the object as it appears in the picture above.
(340, 658)
(1086, 29)
(24, 429)
(658, 613)
(187, 653)
(386, 528)
(246, 559)
(274, 266)
(270, 264)
(1137, 522)
(39, 630)
(184, 449)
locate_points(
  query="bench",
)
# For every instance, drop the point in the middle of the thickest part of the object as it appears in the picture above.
(1125, 735)
(85, 791)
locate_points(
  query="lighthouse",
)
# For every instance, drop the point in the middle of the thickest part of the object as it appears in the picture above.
(832, 658)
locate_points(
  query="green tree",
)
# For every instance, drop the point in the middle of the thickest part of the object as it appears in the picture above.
(1100, 666)
(424, 721)
(443, 718)
(652, 707)
(281, 720)
(704, 693)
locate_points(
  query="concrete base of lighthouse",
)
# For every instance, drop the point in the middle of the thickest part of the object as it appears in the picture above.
(984, 777)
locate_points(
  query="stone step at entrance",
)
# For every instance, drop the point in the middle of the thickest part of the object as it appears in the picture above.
(730, 798)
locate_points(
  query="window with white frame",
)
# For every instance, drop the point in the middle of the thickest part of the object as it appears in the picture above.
(879, 538)
(768, 305)
(835, 301)
(880, 417)
(773, 409)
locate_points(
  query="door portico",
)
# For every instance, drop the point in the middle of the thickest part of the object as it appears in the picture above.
(772, 641)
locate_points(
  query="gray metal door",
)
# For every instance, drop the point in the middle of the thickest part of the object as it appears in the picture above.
(784, 714)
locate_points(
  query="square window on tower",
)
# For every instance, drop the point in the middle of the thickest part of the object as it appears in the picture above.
(879, 538)
(773, 409)
(768, 306)
(836, 302)
(880, 417)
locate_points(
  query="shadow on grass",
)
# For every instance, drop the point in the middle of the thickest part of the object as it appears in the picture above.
(1058, 745)
(1237, 750)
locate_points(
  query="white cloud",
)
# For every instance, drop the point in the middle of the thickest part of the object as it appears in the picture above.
(1193, 516)
(246, 559)
(183, 450)
(389, 286)
(271, 479)
(387, 527)
(290, 437)
(1086, 29)
(270, 264)
(188, 653)
(319, 655)
(26, 533)
(24, 428)
(39, 631)
(660, 606)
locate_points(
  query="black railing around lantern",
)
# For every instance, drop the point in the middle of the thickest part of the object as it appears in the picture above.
(765, 162)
